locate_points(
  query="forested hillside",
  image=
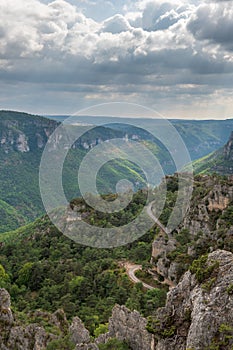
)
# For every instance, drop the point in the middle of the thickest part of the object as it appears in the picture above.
(23, 138)
(44, 270)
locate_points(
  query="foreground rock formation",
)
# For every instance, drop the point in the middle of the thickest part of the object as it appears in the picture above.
(198, 312)
(197, 316)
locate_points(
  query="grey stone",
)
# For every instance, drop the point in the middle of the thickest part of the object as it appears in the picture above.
(78, 333)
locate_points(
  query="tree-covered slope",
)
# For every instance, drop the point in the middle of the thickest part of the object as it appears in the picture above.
(220, 161)
(48, 271)
(22, 141)
(43, 270)
(10, 218)
(23, 138)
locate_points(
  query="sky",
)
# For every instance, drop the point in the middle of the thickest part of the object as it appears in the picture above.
(174, 56)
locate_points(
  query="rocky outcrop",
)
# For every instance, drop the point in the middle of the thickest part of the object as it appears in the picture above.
(57, 319)
(14, 336)
(78, 333)
(218, 200)
(31, 337)
(217, 196)
(6, 316)
(161, 247)
(203, 223)
(129, 327)
(14, 141)
(24, 133)
(198, 314)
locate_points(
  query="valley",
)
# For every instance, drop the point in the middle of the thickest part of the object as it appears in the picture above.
(23, 138)
(152, 293)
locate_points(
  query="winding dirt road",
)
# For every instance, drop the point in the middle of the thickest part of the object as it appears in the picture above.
(131, 269)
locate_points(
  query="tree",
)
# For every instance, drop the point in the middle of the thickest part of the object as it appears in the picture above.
(24, 274)
(4, 278)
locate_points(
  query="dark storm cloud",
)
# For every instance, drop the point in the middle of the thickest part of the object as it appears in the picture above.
(152, 47)
(214, 23)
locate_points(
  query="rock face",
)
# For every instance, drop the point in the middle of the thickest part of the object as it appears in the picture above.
(130, 327)
(161, 247)
(199, 315)
(31, 337)
(228, 148)
(24, 133)
(34, 337)
(217, 198)
(211, 199)
(6, 317)
(78, 333)
(13, 337)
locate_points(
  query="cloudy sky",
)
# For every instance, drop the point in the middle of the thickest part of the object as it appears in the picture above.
(174, 56)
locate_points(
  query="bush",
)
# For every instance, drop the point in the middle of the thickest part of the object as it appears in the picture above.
(61, 344)
(114, 344)
(202, 270)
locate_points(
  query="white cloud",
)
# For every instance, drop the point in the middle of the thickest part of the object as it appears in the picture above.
(116, 24)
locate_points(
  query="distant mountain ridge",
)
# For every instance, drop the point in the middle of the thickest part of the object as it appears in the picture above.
(22, 141)
(24, 136)
(201, 137)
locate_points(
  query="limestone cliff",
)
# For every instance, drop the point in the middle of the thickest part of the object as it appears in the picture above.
(207, 226)
(197, 315)
(198, 312)
(24, 133)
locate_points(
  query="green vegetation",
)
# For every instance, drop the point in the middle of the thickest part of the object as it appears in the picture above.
(114, 344)
(19, 181)
(19, 189)
(219, 161)
(227, 216)
(10, 218)
(61, 344)
(223, 338)
(146, 277)
(4, 277)
(230, 289)
(161, 329)
(204, 271)
(48, 271)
